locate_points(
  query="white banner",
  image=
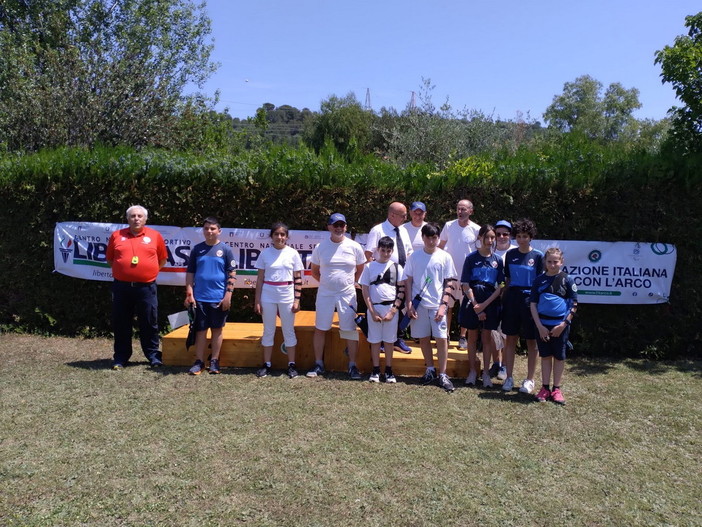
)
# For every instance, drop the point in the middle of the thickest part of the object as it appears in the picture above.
(80, 249)
(605, 272)
(617, 272)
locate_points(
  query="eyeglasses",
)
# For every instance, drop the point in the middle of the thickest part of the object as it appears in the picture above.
(502, 234)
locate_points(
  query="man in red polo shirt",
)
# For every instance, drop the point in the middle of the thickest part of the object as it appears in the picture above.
(136, 255)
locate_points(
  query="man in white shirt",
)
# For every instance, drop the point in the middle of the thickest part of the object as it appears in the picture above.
(337, 264)
(458, 238)
(392, 227)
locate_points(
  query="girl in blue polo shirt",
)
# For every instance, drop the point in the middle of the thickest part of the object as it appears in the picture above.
(481, 280)
(553, 302)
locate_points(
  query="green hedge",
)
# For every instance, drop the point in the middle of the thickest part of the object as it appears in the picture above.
(573, 190)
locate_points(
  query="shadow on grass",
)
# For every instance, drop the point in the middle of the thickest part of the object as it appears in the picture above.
(97, 364)
(106, 364)
(512, 398)
(251, 372)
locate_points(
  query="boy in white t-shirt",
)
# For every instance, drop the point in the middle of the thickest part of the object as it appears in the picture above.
(383, 286)
(431, 276)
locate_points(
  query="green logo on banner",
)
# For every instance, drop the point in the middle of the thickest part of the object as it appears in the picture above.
(662, 248)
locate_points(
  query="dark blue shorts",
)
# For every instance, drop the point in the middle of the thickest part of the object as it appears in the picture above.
(516, 314)
(208, 315)
(556, 346)
(469, 319)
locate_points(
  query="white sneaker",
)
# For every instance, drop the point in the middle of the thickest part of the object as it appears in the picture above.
(527, 386)
(462, 343)
(487, 383)
(508, 385)
(375, 377)
(502, 373)
(472, 376)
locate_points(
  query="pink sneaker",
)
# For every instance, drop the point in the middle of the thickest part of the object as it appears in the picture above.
(543, 395)
(557, 396)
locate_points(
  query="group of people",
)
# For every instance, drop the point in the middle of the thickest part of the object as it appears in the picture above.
(408, 274)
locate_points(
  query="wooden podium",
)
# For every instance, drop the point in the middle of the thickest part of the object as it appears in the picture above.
(241, 348)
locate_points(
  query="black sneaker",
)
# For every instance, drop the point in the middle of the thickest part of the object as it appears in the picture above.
(428, 377)
(214, 366)
(317, 371)
(118, 366)
(263, 371)
(292, 372)
(494, 369)
(156, 362)
(446, 383)
(197, 368)
(354, 374)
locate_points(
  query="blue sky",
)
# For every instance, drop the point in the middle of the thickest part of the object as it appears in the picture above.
(499, 57)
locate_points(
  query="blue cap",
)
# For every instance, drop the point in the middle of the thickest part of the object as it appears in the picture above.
(335, 218)
(505, 224)
(418, 205)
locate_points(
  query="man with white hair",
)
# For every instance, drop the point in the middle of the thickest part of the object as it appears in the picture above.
(136, 254)
(458, 238)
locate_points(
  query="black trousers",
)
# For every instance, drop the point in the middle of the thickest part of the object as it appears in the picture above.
(129, 299)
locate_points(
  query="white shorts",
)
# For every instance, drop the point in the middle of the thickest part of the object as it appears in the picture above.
(425, 325)
(345, 306)
(382, 331)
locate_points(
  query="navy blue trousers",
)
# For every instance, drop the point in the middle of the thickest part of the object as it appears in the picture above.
(128, 300)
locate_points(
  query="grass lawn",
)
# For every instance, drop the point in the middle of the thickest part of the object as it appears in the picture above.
(81, 444)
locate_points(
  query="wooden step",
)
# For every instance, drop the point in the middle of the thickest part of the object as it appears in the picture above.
(241, 348)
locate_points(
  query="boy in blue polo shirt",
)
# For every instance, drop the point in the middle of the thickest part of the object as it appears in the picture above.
(209, 282)
(522, 265)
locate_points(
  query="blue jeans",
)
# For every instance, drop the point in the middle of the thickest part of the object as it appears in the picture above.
(128, 299)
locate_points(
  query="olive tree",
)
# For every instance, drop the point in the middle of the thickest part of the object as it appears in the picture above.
(83, 72)
(584, 108)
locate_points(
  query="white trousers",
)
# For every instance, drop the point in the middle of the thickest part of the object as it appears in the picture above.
(287, 321)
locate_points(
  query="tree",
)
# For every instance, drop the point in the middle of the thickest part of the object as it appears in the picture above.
(427, 134)
(582, 107)
(81, 72)
(681, 66)
(342, 121)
